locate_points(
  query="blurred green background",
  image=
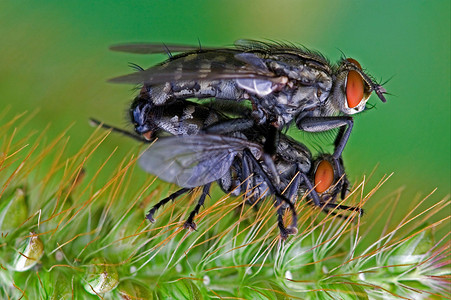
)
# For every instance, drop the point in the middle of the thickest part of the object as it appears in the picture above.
(54, 58)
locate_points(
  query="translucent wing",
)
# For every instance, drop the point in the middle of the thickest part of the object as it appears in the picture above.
(195, 160)
(202, 65)
(152, 48)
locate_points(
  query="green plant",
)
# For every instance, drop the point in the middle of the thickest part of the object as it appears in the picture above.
(70, 233)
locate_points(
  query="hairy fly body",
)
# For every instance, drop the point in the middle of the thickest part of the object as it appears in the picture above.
(284, 84)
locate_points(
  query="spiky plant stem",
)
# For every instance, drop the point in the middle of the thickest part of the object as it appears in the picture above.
(67, 233)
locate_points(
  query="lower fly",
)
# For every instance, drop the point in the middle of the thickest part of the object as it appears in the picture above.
(208, 146)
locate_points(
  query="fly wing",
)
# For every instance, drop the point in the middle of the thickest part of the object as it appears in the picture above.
(196, 160)
(218, 64)
(153, 48)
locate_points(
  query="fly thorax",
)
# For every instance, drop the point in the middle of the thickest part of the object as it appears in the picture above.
(317, 80)
(327, 109)
(313, 88)
(305, 98)
(311, 76)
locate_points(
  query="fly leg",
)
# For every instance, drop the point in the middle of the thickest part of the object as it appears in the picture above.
(247, 180)
(270, 149)
(331, 206)
(284, 232)
(339, 169)
(313, 194)
(294, 187)
(344, 188)
(272, 140)
(189, 224)
(172, 197)
(319, 124)
(345, 185)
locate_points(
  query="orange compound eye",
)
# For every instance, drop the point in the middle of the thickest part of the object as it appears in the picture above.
(324, 176)
(354, 89)
(353, 61)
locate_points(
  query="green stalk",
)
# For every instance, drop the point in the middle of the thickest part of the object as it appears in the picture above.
(69, 233)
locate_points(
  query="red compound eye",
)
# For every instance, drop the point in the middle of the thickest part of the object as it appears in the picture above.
(324, 176)
(354, 89)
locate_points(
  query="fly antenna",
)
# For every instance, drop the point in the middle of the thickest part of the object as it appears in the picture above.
(380, 91)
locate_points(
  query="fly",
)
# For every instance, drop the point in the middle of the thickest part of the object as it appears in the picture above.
(210, 147)
(285, 84)
(199, 160)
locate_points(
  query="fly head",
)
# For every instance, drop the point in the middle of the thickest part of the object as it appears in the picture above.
(353, 88)
(329, 178)
(140, 116)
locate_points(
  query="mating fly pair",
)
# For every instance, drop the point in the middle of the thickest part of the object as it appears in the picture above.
(284, 85)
